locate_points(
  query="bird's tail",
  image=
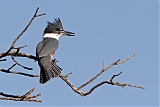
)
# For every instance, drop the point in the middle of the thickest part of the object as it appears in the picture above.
(55, 68)
(50, 70)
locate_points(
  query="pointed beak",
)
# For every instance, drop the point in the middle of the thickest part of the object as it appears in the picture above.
(68, 33)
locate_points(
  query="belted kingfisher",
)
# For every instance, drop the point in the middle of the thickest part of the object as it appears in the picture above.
(46, 49)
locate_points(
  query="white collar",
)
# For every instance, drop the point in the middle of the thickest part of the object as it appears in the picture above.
(51, 35)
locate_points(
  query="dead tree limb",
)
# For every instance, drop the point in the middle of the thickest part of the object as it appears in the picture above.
(24, 97)
(115, 76)
(77, 90)
(21, 64)
(15, 40)
(105, 69)
(19, 54)
(3, 60)
(20, 73)
(16, 53)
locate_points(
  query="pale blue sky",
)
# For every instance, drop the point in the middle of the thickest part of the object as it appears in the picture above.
(106, 30)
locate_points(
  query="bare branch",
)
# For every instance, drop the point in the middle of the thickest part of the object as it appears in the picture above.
(96, 86)
(40, 15)
(27, 97)
(10, 67)
(115, 76)
(111, 83)
(34, 96)
(70, 84)
(120, 62)
(24, 97)
(103, 65)
(8, 95)
(15, 40)
(103, 70)
(14, 72)
(20, 64)
(124, 84)
(20, 47)
(15, 54)
(9, 45)
(35, 15)
(77, 90)
(3, 60)
(66, 76)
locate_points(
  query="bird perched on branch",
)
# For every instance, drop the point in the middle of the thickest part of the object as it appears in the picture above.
(47, 48)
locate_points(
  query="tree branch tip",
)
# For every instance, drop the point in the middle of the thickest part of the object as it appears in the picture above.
(120, 73)
(39, 94)
(66, 76)
(133, 54)
(142, 88)
(103, 65)
(114, 77)
(32, 89)
(39, 100)
(116, 62)
(28, 68)
(37, 9)
(40, 15)
(3, 60)
(20, 47)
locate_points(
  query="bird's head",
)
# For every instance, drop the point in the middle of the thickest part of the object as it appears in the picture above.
(55, 30)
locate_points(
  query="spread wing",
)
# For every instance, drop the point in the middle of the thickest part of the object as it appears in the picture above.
(46, 47)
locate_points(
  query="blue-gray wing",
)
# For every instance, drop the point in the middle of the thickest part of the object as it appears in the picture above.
(46, 47)
(39, 48)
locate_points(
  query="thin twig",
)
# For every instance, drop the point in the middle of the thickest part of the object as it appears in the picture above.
(20, 47)
(11, 67)
(27, 94)
(66, 76)
(40, 15)
(103, 65)
(96, 86)
(15, 54)
(120, 62)
(20, 64)
(112, 83)
(105, 69)
(9, 52)
(8, 95)
(3, 60)
(20, 73)
(102, 71)
(34, 96)
(9, 44)
(115, 76)
(24, 97)
(15, 40)
(77, 90)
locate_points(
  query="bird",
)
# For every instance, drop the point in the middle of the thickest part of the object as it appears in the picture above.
(46, 49)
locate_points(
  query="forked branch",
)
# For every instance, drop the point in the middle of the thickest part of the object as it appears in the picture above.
(77, 90)
(16, 53)
(24, 97)
(15, 40)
